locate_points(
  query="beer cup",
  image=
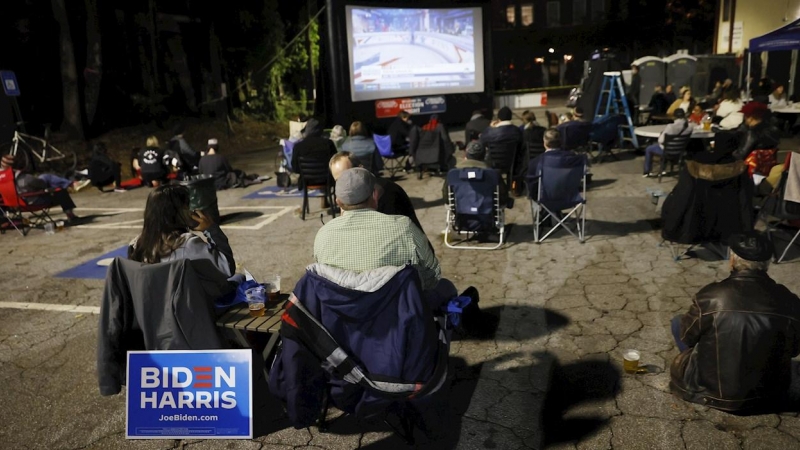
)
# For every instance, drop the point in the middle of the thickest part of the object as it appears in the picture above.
(630, 361)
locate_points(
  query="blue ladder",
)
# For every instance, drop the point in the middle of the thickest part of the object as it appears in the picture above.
(616, 102)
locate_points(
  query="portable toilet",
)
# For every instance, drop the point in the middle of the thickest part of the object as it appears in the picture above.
(680, 71)
(652, 71)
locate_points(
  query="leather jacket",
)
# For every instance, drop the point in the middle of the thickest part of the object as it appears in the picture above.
(742, 333)
(763, 136)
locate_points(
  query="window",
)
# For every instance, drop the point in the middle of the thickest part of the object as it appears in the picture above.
(578, 11)
(511, 14)
(553, 14)
(598, 9)
(526, 14)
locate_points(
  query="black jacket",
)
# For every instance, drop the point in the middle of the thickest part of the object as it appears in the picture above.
(475, 127)
(742, 333)
(400, 132)
(763, 136)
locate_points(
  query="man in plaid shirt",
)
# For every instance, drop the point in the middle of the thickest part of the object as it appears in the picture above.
(364, 239)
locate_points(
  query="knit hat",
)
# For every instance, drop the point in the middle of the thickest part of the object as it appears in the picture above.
(475, 150)
(504, 113)
(355, 186)
(754, 109)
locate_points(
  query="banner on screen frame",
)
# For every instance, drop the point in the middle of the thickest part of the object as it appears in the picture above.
(189, 394)
(414, 105)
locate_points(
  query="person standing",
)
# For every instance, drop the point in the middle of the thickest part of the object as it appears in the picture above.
(739, 336)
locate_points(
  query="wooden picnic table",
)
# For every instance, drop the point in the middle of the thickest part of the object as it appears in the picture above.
(238, 320)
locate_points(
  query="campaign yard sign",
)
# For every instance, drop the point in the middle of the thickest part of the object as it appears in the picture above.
(415, 105)
(189, 394)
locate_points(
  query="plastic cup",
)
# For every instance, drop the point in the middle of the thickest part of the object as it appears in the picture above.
(630, 361)
(60, 225)
(272, 284)
(49, 228)
(255, 301)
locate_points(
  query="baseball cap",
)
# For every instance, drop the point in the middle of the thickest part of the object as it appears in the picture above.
(355, 186)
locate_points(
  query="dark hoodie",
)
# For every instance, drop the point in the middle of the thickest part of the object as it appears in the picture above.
(313, 145)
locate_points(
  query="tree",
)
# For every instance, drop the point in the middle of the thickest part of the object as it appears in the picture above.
(73, 122)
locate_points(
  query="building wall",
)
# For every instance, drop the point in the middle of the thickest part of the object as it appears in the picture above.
(757, 17)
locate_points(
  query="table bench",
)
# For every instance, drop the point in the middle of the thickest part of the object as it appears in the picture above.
(238, 320)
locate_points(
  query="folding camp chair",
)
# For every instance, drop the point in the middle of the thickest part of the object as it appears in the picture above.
(603, 135)
(394, 361)
(503, 157)
(575, 135)
(393, 161)
(473, 205)
(560, 185)
(15, 204)
(426, 147)
(780, 210)
(533, 138)
(674, 152)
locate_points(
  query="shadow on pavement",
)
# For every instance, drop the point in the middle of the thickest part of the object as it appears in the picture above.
(572, 385)
(231, 218)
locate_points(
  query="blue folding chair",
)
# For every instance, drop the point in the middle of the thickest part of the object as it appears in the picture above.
(288, 149)
(560, 184)
(473, 206)
(392, 161)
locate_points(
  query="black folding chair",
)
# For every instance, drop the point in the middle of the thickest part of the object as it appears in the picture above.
(315, 174)
(503, 157)
(533, 138)
(777, 210)
(428, 150)
(674, 152)
(560, 185)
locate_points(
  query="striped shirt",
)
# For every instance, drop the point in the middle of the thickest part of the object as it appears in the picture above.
(365, 239)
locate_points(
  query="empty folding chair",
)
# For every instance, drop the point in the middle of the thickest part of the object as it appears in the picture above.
(473, 206)
(559, 184)
(393, 161)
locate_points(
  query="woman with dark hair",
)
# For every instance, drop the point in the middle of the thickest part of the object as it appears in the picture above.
(361, 145)
(167, 232)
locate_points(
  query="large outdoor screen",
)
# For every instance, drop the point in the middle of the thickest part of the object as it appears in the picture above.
(411, 51)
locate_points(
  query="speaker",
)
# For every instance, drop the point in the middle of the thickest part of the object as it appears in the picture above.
(593, 83)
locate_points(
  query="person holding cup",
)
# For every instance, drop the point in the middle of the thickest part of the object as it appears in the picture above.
(739, 337)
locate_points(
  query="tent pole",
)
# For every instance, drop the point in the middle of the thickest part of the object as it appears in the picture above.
(792, 73)
(747, 80)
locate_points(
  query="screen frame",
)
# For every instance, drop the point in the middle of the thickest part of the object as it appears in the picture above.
(478, 43)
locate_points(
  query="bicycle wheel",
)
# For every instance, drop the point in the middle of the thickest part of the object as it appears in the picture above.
(23, 160)
(60, 162)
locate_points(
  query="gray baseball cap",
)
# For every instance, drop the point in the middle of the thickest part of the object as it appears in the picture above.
(355, 186)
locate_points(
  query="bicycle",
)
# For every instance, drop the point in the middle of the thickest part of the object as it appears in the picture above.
(27, 156)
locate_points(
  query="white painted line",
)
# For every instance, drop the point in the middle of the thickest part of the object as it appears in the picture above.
(52, 307)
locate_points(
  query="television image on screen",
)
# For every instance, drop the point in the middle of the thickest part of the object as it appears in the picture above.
(412, 51)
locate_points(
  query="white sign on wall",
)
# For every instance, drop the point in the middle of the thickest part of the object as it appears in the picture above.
(738, 32)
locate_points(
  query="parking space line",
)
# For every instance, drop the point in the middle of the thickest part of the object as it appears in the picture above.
(51, 307)
(136, 224)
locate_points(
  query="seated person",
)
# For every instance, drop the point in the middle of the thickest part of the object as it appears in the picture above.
(178, 145)
(167, 232)
(225, 176)
(364, 239)
(756, 132)
(475, 156)
(313, 145)
(553, 151)
(361, 145)
(716, 93)
(501, 133)
(575, 132)
(476, 125)
(658, 101)
(338, 136)
(103, 170)
(400, 131)
(154, 164)
(777, 99)
(739, 337)
(393, 199)
(686, 102)
(27, 183)
(528, 121)
(577, 114)
(669, 95)
(696, 118)
(680, 126)
(728, 114)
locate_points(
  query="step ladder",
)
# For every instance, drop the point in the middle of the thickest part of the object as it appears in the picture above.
(616, 102)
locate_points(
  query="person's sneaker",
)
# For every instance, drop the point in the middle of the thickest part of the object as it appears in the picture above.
(120, 190)
(647, 175)
(75, 220)
(78, 185)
